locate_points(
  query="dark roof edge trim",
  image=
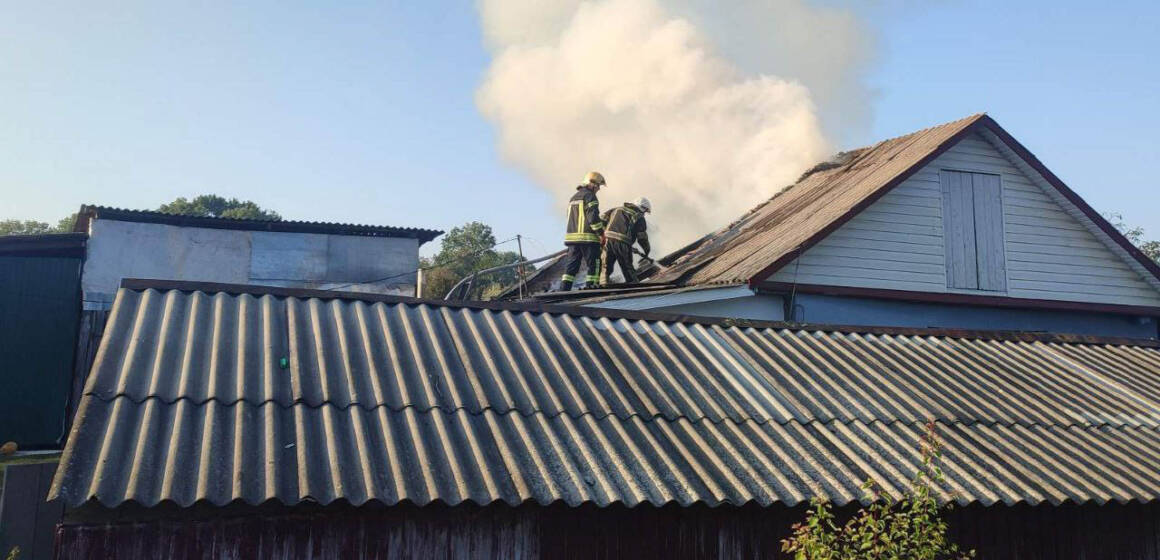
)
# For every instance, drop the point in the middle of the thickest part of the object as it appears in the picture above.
(1073, 198)
(89, 212)
(866, 202)
(958, 299)
(138, 284)
(44, 245)
(990, 124)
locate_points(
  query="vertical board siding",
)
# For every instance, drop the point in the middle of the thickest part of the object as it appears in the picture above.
(1129, 532)
(959, 229)
(990, 252)
(897, 243)
(27, 520)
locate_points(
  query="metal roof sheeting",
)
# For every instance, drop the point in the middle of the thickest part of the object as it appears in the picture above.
(88, 212)
(391, 401)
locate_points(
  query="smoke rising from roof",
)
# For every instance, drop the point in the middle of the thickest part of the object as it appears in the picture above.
(643, 93)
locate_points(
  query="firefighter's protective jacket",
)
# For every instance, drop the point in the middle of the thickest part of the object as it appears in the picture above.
(584, 223)
(626, 223)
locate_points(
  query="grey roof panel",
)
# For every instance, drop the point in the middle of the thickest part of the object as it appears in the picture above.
(180, 345)
(185, 453)
(392, 400)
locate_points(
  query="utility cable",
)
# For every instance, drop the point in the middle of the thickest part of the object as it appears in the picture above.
(424, 268)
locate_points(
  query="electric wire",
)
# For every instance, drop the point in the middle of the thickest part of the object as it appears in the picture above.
(425, 268)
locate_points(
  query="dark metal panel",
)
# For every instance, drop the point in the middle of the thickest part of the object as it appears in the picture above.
(39, 313)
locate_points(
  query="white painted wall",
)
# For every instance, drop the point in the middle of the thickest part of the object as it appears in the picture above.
(118, 250)
(1052, 251)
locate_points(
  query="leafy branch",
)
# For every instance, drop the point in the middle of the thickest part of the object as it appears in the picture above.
(906, 528)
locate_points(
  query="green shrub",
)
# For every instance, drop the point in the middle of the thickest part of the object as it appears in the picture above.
(909, 527)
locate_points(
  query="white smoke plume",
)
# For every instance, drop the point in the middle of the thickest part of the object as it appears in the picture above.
(641, 93)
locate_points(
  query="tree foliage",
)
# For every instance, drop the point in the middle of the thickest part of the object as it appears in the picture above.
(906, 528)
(206, 205)
(34, 227)
(1150, 247)
(214, 206)
(467, 249)
(24, 227)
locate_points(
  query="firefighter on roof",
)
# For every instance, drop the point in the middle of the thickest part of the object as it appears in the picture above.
(584, 231)
(625, 226)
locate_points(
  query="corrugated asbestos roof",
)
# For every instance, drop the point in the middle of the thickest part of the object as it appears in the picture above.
(89, 212)
(776, 228)
(391, 400)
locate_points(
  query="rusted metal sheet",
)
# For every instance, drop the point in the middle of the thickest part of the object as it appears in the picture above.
(387, 401)
(1022, 532)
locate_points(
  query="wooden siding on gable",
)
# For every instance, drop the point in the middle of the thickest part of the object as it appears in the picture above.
(897, 243)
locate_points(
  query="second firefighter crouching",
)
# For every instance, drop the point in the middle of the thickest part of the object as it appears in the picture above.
(583, 234)
(624, 226)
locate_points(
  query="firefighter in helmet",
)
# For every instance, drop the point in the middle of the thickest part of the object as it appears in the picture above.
(584, 232)
(625, 226)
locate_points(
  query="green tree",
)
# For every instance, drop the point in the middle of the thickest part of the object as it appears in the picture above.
(24, 227)
(1150, 247)
(206, 205)
(214, 206)
(34, 227)
(467, 249)
(907, 528)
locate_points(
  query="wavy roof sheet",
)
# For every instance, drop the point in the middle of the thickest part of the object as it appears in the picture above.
(393, 400)
(89, 212)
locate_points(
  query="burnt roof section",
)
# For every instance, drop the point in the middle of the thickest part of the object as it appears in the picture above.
(822, 196)
(46, 245)
(771, 235)
(216, 397)
(90, 212)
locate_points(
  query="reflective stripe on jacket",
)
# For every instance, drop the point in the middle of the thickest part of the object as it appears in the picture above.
(584, 224)
(626, 223)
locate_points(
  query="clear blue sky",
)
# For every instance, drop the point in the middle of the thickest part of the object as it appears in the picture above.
(364, 111)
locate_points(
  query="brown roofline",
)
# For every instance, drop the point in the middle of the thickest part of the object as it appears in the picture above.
(987, 122)
(138, 284)
(864, 203)
(958, 299)
(1072, 197)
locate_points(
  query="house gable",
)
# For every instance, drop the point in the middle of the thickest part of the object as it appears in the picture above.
(1052, 250)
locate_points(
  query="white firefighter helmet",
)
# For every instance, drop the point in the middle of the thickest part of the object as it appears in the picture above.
(594, 178)
(644, 204)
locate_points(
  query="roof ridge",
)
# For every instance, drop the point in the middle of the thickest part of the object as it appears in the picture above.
(89, 211)
(139, 285)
